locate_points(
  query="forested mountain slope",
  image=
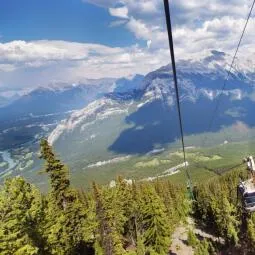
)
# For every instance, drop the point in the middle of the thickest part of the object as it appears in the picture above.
(145, 118)
(126, 217)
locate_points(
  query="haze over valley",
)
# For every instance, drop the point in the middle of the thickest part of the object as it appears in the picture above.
(127, 127)
(126, 122)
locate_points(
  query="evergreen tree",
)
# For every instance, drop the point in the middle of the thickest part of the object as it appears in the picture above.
(20, 210)
(251, 232)
(90, 223)
(65, 214)
(153, 221)
(202, 248)
(192, 239)
(140, 250)
(227, 221)
(98, 248)
(59, 177)
(110, 217)
(175, 201)
(130, 218)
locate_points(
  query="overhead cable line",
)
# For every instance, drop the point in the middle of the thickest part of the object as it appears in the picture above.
(221, 170)
(171, 47)
(229, 72)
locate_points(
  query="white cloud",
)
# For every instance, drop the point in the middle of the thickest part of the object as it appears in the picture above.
(38, 63)
(102, 3)
(43, 50)
(202, 21)
(148, 44)
(208, 9)
(135, 6)
(148, 6)
(140, 29)
(7, 67)
(143, 6)
(120, 12)
(148, 33)
(117, 23)
(220, 33)
(199, 27)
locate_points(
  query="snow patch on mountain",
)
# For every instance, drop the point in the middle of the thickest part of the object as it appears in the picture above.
(97, 110)
(155, 151)
(197, 78)
(110, 112)
(144, 103)
(106, 162)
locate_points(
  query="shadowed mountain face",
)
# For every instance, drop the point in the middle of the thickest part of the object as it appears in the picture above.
(125, 85)
(134, 116)
(145, 118)
(152, 124)
(38, 112)
(158, 125)
(43, 101)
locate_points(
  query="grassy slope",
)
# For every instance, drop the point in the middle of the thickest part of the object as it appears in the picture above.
(203, 164)
(202, 160)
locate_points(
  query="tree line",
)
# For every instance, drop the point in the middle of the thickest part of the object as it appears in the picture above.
(132, 218)
(219, 209)
(128, 218)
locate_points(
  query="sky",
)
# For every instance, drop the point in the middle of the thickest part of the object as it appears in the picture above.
(52, 41)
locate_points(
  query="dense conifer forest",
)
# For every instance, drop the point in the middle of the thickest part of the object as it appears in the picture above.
(123, 218)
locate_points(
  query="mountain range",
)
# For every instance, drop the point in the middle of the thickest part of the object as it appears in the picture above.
(109, 118)
(144, 119)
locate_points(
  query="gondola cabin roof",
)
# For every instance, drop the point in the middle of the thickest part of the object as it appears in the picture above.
(248, 186)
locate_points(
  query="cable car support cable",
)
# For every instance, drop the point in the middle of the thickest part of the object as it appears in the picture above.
(229, 72)
(171, 47)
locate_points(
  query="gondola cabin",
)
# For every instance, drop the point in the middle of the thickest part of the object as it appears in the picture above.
(247, 191)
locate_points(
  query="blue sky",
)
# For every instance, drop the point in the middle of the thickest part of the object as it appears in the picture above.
(68, 41)
(69, 20)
